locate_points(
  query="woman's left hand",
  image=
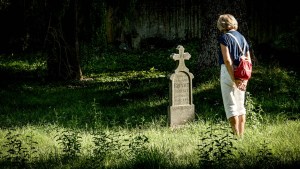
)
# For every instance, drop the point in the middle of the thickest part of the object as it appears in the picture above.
(241, 84)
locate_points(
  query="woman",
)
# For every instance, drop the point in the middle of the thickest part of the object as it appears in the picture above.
(233, 90)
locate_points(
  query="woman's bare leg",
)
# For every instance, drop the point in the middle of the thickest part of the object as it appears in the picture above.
(242, 120)
(234, 122)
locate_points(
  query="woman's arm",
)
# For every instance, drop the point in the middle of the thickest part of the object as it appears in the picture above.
(227, 61)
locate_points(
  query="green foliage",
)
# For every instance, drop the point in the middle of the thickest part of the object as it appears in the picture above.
(20, 67)
(137, 144)
(151, 158)
(120, 61)
(120, 107)
(254, 117)
(70, 141)
(19, 151)
(276, 89)
(216, 149)
(106, 143)
(264, 155)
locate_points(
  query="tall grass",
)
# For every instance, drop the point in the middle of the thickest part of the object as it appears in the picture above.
(117, 117)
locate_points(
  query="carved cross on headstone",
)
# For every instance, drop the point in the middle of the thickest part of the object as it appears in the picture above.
(181, 57)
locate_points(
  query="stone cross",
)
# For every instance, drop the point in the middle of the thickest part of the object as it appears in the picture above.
(181, 57)
(181, 109)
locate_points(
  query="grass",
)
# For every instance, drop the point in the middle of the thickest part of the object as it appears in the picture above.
(117, 116)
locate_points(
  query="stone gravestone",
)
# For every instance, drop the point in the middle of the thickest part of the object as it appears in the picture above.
(181, 108)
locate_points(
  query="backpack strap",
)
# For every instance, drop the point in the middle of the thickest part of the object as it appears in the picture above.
(238, 42)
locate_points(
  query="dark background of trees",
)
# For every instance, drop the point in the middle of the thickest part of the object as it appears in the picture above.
(59, 28)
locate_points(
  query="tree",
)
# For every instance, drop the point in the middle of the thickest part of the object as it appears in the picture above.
(62, 40)
(208, 42)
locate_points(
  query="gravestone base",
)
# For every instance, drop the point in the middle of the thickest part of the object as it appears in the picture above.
(179, 115)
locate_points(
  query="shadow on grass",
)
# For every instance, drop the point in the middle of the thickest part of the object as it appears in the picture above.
(133, 102)
(27, 98)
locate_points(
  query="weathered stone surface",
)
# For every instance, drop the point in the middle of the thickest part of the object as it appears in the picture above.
(181, 108)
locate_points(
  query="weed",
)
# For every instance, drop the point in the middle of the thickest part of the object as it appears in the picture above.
(70, 142)
(216, 147)
(138, 143)
(254, 117)
(105, 142)
(264, 156)
(138, 151)
(96, 116)
(19, 152)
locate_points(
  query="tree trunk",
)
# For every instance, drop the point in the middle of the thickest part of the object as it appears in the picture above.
(76, 65)
(208, 42)
(62, 41)
(209, 32)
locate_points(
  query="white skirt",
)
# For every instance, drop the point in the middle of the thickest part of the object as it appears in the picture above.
(233, 98)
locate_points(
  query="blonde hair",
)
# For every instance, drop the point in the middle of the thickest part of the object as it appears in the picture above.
(227, 22)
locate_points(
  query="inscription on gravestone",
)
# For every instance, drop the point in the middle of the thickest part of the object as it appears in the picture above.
(181, 108)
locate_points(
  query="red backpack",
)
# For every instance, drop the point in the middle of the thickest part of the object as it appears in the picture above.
(244, 70)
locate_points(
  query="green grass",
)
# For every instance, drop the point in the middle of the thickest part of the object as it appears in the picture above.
(117, 116)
